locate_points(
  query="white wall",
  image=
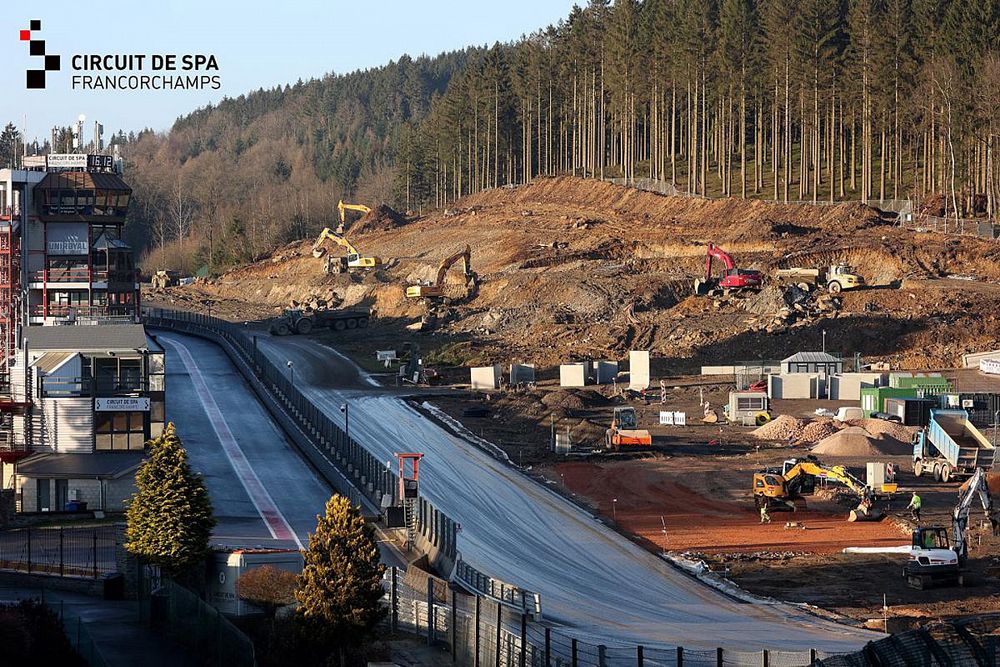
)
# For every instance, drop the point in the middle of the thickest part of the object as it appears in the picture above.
(573, 375)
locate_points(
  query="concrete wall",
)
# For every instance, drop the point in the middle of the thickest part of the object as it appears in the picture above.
(972, 360)
(522, 373)
(793, 386)
(117, 492)
(604, 372)
(847, 386)
(486, 377)
(638, 370)
(573, 375)
(731, 370)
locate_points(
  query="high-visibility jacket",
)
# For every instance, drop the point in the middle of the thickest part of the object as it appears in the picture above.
(915, 502)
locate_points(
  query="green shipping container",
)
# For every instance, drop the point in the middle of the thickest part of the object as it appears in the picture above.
(936, 383)
(873, 398)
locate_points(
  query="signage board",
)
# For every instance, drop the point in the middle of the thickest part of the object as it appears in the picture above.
(34, 161)
(100, 162)
(67, 160)
(385, 355)
(122, 404)
(68, 247)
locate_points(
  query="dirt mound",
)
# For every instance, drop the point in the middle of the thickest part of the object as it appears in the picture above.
(574, 399)
(885, 429)
(992, 481)
(782, 427)
(380, 219)
(815, 431)
(855, 441)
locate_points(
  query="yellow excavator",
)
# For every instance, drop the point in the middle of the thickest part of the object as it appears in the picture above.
(353, 260)
(342, 207)
(778, 487)
(436, 289)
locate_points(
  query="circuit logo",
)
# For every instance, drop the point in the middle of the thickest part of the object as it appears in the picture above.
(35, 78)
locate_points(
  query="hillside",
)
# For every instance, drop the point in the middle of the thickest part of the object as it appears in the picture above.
(573, 268)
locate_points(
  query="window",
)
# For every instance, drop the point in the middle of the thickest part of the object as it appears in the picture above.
(759, 483)
(750, 403)
(117, 431)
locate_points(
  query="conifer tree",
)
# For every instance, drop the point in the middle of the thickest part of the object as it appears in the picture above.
(169, 519)
(340, 588)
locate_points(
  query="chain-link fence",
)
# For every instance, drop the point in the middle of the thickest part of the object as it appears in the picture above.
(64, 551)
(987, 229)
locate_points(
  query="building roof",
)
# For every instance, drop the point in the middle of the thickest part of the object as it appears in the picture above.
(87, 337)
(102, 465)
(50, 361)
(810, 358)
(76, 180)
(103, 242)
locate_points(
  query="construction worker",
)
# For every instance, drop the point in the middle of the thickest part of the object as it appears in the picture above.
(764, 516)
(914, 507)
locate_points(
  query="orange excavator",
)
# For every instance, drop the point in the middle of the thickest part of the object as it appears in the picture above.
(732, 278)
(436, 289)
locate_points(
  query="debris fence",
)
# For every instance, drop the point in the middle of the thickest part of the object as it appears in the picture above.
(65, 551)
(481, 631)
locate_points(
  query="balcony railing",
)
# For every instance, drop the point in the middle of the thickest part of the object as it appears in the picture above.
(84, 275)
(62, 310)
(55, 386)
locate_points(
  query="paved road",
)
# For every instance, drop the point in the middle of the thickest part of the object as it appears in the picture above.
(263, 492)
(591, 579)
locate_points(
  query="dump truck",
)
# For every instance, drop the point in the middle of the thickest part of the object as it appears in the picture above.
(951, 447)
(838, 277)
(625, 431)
(300, 321)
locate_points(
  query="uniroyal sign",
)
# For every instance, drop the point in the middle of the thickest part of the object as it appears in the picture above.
(129, 404)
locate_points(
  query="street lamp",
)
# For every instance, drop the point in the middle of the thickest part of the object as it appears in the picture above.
(824, 341)
(347, 419)
(291, 372)
(614, 509)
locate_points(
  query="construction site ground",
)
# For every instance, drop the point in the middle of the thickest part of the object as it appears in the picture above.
(575, 270)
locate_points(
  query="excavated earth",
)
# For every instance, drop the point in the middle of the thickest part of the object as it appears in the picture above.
(574, 268)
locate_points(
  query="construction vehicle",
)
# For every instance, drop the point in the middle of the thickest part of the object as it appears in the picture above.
(342, 208)
(732, 279)
(839, 277)
(625, 431)
(302, 322)
(436, 289)
(936, 560)
(353, 260)
(951, 447)
(162, 279)
(779, 487)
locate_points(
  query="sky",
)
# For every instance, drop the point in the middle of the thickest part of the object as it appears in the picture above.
(256, 45)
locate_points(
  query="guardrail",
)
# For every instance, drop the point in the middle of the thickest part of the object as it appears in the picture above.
(519, 599)
(344, 462)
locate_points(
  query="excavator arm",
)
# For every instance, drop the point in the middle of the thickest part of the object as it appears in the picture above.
(448, 262)
(836, 473)
(327, 234)
(342, 207)
(715, 252)
(978, 485)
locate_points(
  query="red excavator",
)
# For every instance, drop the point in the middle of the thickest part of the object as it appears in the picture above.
(732, 279)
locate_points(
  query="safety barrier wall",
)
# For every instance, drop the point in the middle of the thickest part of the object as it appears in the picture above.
(346, 464)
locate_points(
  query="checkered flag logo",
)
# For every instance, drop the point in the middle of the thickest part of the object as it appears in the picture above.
(36, 47)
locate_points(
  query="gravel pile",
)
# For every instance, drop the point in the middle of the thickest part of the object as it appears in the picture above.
(782, 427)
(856, 441)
